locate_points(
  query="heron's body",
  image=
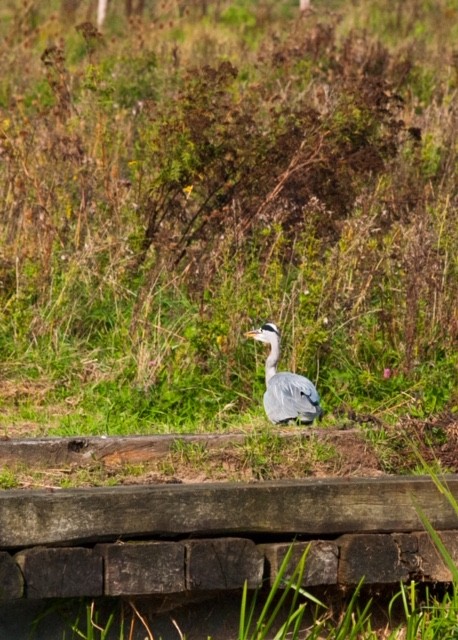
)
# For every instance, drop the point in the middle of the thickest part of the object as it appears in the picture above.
(288, 396)
(291, 397)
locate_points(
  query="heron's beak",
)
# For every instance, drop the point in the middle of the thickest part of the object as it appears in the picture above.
(252, 334)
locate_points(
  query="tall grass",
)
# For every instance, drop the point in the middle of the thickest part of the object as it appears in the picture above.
(170, 182)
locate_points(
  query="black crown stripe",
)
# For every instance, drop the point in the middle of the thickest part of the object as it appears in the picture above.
(269, 327)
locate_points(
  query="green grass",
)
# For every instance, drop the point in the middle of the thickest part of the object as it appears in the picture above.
(428, 617)
(8, 479)
(257, 626)
(143, 232)
(168, 187)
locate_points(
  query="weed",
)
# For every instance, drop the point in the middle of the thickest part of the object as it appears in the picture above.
(267, 455)
(8, 479)
(259, 627)
(193, 452)
(165, 188)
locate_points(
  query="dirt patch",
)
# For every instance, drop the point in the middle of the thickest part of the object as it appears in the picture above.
(367, 449)
(434, 441)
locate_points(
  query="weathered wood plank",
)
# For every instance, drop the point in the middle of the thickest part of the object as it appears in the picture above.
(388, 559)
(61, 573)
(374, 557)
(11, 580)
(139, 568)
(223, 563)
(311, 507)
(205, 565)
(48, 452)
(432, 567)
(320, 566)
(407, 544)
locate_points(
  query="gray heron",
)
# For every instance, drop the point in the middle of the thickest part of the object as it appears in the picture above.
(289, 396)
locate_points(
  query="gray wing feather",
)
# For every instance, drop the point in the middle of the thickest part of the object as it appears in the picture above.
(290, 396)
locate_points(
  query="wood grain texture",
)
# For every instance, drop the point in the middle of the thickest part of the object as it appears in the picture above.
(61, 573)
(48, 452)
(320, 566)
(374, 557)
(431, 565)
(140, 568)
(311, 507)
(221, 564)
(387, 559)
(197, 567)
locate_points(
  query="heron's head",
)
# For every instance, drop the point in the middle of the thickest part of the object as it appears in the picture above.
(269, 332)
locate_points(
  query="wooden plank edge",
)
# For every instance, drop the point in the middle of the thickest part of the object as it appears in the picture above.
(112, 450)
(308, 507)
(222, 564)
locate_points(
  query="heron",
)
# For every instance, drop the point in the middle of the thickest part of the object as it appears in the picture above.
(289, 396)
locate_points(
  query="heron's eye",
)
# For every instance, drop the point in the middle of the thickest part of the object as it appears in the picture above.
(269, 326)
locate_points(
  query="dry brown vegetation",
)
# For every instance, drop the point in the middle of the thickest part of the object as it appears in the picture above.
(170, 181)
(411, 446)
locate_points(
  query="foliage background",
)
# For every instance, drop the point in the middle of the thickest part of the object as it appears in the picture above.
(198, 169)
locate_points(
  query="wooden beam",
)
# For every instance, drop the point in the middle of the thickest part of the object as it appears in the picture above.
(320, 565)
(308, 507)
(222, 564)
(374, 557)
(433, 567)
(48, 452)
(205, 565)
(387, 559)
(138, 568)
(61, 573)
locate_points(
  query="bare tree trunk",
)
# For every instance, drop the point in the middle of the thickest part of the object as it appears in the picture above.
(304, 5)
(101, 12)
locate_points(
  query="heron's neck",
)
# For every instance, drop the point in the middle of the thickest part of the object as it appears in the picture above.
(272, 361)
